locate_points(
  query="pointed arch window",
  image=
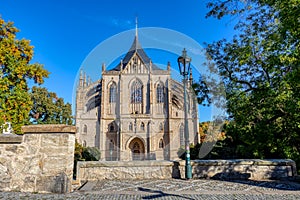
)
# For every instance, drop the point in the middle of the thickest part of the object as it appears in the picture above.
(111, 127)
(142, 126)
(136, 92)
(85, 129)
(112, 93)
(160, 93)
(161, 144)
(181, 133)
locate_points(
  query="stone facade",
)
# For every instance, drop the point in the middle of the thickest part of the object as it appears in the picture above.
(253, 169)
(135, 111)
(41, 160)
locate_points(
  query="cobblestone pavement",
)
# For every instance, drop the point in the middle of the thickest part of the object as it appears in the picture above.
(173, 189)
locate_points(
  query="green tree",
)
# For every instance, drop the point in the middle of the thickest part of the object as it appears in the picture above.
(201, 92)
(260, 68)
(15, 71)
(47, 108)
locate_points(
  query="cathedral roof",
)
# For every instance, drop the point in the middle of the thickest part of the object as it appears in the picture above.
(135, 48)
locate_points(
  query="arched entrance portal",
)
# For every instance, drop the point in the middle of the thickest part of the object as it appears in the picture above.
(137, 149)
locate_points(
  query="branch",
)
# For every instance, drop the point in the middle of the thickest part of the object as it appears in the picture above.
(231, 78)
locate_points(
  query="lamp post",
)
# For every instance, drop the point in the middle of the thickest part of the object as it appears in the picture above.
(184, 63)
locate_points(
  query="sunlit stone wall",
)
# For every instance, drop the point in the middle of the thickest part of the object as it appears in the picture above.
(41, 160)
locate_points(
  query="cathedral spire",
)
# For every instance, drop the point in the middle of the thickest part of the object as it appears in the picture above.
(135, 48)
(136, 27)
(135, 45)
(136, 40)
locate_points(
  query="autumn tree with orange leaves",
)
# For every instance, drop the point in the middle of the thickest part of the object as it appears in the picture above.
(16, 70)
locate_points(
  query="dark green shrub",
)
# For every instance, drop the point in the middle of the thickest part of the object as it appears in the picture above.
(91, 154)
(84, 154)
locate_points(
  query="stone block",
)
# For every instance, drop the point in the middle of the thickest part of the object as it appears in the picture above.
(30, 165)
(10, 139)
(5, 182)
(47, 128)
(55, 140)
(29, 184)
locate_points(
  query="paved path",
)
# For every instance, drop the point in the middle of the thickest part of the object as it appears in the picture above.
(174, 189)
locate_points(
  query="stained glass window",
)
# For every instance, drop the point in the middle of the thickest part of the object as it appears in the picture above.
(112, 93)
(136, 92)
(160, 93)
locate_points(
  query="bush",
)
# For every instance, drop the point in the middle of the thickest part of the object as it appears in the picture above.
(91, 154)
(84, 154)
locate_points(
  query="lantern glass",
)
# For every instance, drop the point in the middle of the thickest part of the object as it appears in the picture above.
(184, 63)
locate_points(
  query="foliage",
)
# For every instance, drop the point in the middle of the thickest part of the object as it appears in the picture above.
(47, 108)
(210, 131)
(223, 149)
(261, 74)
(202, 93)
(211, 135)
(78, 152)
(15, 71)
(85, 154)
(91, 154)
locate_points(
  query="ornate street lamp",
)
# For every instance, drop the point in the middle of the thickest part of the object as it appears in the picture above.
(184, 63)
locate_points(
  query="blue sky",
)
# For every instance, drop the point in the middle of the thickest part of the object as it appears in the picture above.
(64, 32)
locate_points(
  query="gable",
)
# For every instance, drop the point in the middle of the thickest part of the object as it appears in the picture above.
(135, 66)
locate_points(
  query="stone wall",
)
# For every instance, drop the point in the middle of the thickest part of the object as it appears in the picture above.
(219, 169)
(41, 160)
(255, 169)
(100, 170)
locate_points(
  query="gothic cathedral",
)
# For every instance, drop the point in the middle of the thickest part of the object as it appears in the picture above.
(135, 111)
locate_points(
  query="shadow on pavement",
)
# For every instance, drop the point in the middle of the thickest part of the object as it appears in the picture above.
(244, 178)
(271, 184)
(159, 194)
(278, 185)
